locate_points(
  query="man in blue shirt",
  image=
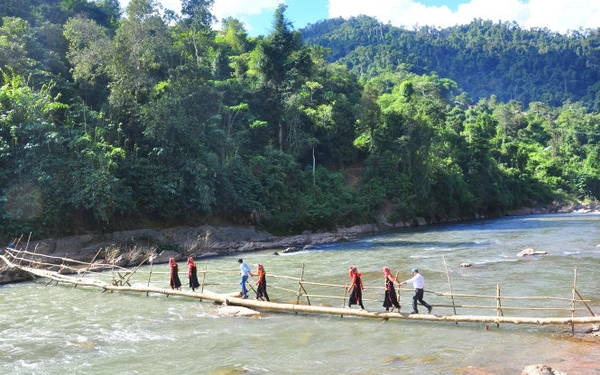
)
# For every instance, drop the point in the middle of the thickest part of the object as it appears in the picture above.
(245, 272)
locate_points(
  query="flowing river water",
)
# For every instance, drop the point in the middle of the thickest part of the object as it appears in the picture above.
(65, 330)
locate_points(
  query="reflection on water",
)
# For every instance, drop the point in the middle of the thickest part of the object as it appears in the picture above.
(62, 330)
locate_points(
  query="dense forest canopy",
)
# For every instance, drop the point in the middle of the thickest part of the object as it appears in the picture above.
(483, 57)
(112, 120)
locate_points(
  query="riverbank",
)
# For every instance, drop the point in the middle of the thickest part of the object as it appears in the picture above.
(129, 248)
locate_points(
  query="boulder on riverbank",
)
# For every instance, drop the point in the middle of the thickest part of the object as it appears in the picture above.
(530, 252)
(474, 371)
(237, 311)
(540, 370)
(9, 275)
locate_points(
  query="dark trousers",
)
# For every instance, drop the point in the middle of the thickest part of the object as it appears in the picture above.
(261, 291)
(419, 297)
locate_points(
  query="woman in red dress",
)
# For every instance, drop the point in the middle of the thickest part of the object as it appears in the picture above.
(390, 299)
(192, 273)
(356, 287)
(174, 276)
(261, 284)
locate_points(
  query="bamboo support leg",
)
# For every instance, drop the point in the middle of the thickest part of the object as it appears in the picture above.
(344, 299)
(252, 287)
(150, 274)
(299, 294)
(28, 239)
(449, 285)
(203, 279)
(132, 272)
(573, 300)
(397, 279)
(92, 262)
(16, 246)
(499, 311)
(306, 294)
(584, 303)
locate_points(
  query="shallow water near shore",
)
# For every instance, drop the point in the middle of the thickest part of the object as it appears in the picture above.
(66, 330)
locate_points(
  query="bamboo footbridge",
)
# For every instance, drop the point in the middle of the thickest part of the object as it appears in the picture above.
(110, 277)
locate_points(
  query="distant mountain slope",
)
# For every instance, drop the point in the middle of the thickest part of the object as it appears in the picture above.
(485, 58)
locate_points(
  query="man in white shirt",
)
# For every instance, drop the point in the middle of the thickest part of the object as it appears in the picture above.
(418, 282)
(245, 272)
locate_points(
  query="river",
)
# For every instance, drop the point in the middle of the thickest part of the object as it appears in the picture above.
(65, 330)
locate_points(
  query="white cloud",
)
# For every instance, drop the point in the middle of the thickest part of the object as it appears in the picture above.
(237, 8)
(172, 4)
(227, 8)
(556, 15)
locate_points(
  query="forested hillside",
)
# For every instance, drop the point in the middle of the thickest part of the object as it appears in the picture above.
(111, 121)
(483, 57)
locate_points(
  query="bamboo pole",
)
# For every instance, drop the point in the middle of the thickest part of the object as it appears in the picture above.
(586, 305)
(150, 273)
(335, 297)
(54, 257)
(442, 294)
(28, 239)
(305, 293)
(573, 300)
(62, 259)
(113, 272)
(504, 307)
(83, 272)
(93, 260)
(323, 284)
(397, 280)
(449, 284)
(300, 285)
(281, 288)
(284, 277)
(18, 241)
(344, 298)
(499, 311)
(35, 262)
(132, 272)
(17, 244)
(204, 278)
(61, 265)
(252, 287)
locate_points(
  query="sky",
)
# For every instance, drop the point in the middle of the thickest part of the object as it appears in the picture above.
(557, 15)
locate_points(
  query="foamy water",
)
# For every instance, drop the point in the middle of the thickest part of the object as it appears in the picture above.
(66, 330)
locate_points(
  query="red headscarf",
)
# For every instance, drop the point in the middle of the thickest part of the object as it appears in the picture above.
(191, 266)
(354, 275)
(353, 271)
(386, 271)
(261, 271)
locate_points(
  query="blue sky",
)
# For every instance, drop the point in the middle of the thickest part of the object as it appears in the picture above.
(299, 12)
(556, 15)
